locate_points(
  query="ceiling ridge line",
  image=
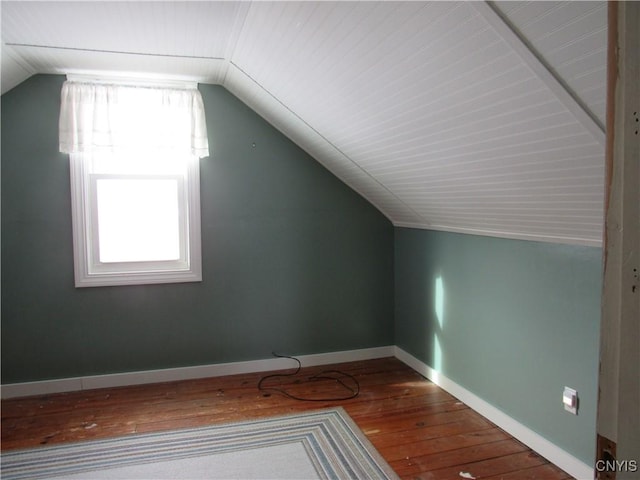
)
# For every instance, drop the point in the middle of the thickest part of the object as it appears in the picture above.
(348, 158)
(540, 68)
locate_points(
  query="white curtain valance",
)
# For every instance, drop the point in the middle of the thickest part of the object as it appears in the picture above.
(105, 118)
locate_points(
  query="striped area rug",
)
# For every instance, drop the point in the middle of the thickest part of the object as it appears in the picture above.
(314, 445)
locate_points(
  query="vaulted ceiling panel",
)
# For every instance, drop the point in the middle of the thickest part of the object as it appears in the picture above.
(444, 106)
(310, 140)
(471, 117)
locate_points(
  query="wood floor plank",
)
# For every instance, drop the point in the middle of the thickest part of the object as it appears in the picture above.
(493, 466)
(411, 443)
(451, 458)
(421, 430)
(540, 472)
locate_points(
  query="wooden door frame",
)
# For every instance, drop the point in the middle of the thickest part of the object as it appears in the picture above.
(618, 417)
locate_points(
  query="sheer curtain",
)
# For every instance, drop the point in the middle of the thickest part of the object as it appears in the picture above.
(109, 118)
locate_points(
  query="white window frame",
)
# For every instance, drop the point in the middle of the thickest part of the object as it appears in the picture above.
(90, 272)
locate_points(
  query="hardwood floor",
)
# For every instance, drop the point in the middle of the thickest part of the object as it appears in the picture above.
(422, 431)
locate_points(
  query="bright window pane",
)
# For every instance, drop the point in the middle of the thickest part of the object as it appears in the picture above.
(138, 220)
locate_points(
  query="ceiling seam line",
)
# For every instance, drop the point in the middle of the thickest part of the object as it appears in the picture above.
(540, 68)
(19, 59)
(118, 52)
(331, 144)
(237, 31)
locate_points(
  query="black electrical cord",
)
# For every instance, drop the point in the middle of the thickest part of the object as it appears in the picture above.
(336, 375)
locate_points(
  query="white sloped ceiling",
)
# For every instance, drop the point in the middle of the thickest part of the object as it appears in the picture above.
(482, 118)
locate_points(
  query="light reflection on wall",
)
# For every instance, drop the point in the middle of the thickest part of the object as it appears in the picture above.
(439, 311)
(439, 301)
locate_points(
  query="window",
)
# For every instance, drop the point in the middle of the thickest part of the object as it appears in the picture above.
(135, 221)
(134, 157)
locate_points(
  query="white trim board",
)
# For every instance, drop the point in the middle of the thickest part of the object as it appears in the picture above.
(564, 460)
(45, 387)
(589, 242)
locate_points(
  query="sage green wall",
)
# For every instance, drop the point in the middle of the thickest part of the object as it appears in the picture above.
(515, 321)
(294, 261)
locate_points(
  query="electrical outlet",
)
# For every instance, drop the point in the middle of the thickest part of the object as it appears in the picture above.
(570, 400)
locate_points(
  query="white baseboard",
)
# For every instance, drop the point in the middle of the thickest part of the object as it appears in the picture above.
(533, 440)
(536, 442)
(187, 373)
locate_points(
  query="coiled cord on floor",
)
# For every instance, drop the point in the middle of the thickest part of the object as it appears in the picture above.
(336, 375)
